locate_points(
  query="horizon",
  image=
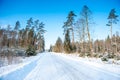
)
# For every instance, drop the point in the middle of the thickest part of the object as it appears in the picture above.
(53, 14)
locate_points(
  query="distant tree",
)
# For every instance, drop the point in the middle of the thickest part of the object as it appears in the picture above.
(80, 31)
(112, 19)
(5, 39)
(36, 23)
(16, 33)
(58, 45)
(8, 35)
(86, 16)
(69, 24)
(31, 37)
(117, 41)
(21, 37)
(67, 43)
(41, 29)
(51, 48)
(40, 36)
(25, 38)
(108, 44)
(28, 30)
(41, 44)
(1, 37)
(99, 46)
(17, 25)
(29, 23)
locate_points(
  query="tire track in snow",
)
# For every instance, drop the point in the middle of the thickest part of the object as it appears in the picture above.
(54, 67)
(71, 70)
(91, 72)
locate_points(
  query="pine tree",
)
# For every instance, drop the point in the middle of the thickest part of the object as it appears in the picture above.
(69, 24)
(58, 45)
(51, 48)
(67, 43)
(17, 26)
(112, 19)
(31, 37)
(40, 36)
(29, 23)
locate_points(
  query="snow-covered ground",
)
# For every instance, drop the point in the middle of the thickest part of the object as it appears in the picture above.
(58, 66)
(95, 62)
(18, 71)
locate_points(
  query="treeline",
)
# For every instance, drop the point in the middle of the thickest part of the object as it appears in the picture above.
(81, 29)
(99, 46)
(30, 36)
(15, 39)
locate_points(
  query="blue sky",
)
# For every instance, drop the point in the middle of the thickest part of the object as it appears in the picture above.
(54, 12)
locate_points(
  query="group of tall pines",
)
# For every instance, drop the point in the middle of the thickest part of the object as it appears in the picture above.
(29, 38)
(78, 36)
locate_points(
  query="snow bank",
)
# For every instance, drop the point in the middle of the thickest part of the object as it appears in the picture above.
(96, 62)
(15, 72)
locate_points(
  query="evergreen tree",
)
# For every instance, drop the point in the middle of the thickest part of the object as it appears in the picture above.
(29, 23)
(112, 19)
(30, 51)
(17, 26)
(31, 37)
(51, 48)
(58, 45)
(41, 44)
(68, 25)
(8, 35)
(40, 37)
(67, 43)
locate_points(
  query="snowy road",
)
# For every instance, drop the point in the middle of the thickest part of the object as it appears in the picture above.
(54, 67)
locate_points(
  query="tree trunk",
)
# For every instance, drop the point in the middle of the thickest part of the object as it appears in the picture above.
(88, 33)
(111, 38)
(72, 36)
(111, 33)
(83, 38)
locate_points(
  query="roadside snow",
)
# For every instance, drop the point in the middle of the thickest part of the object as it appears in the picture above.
(96, 62)
(14, 70)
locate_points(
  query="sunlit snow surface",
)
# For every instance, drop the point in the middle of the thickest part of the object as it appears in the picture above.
(54, 66)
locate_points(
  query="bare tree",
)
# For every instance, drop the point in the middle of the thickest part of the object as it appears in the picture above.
(86, 15)
(80, 31)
